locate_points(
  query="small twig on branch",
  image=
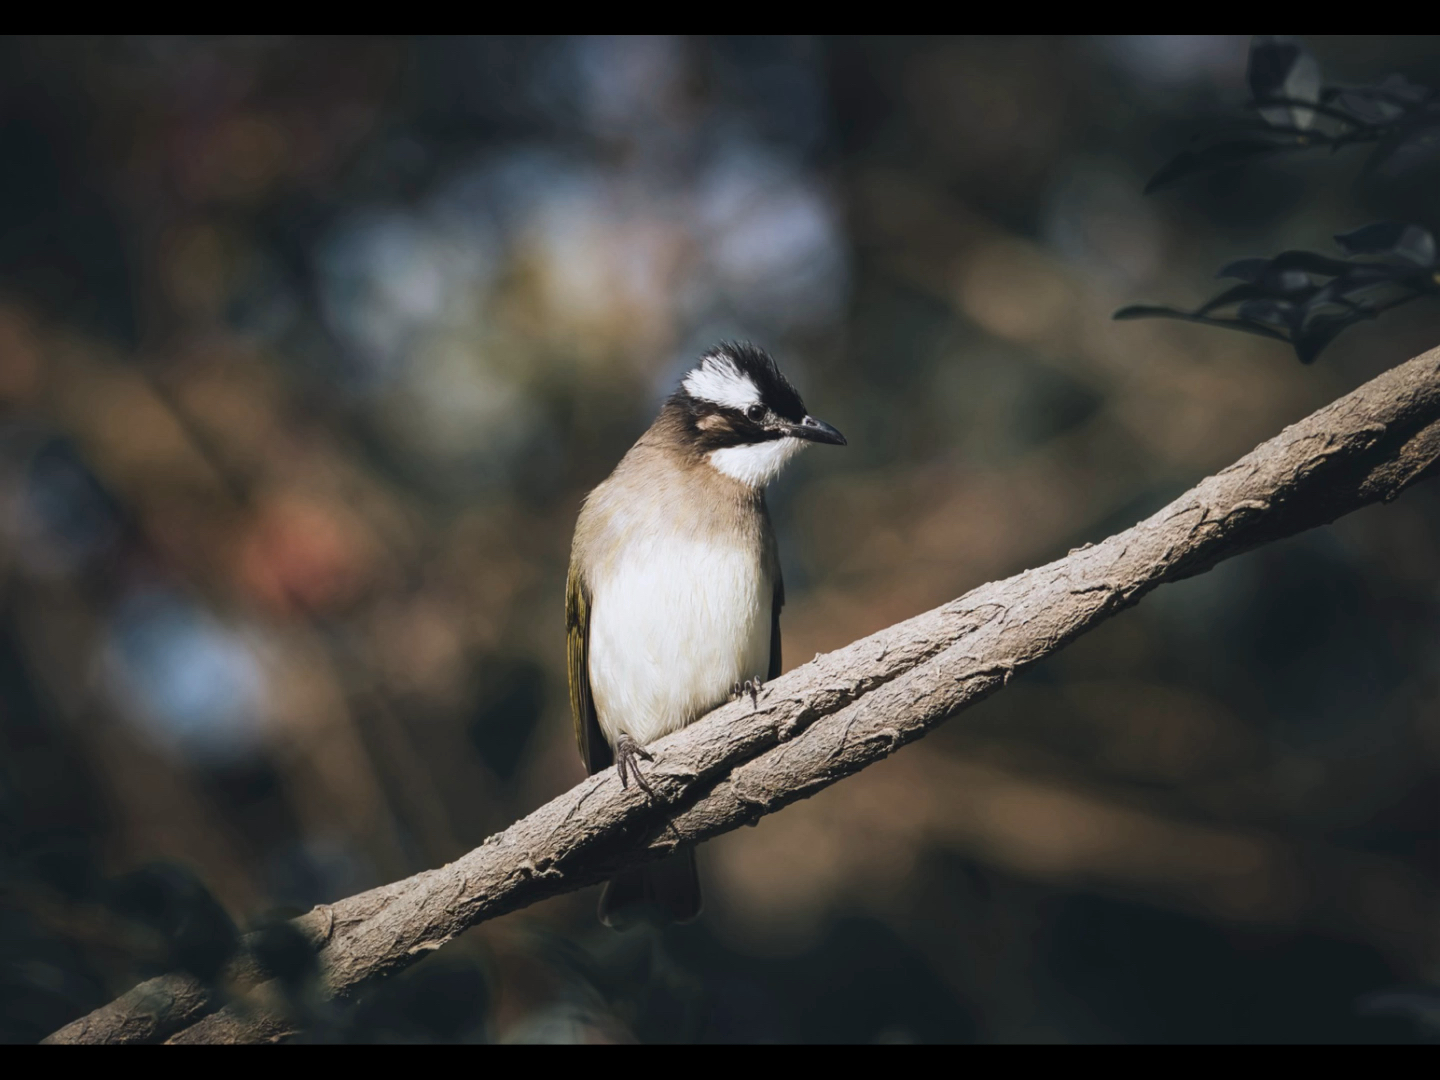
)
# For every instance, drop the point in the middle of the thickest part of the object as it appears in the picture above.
(837, 714)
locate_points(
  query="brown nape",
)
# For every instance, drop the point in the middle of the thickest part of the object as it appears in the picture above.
(673, 432)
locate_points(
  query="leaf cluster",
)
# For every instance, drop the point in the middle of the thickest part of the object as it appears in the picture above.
(1300, 297)
(1294, 110)
(1306, 299)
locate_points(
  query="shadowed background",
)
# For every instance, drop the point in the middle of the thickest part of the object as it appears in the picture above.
(310, 348)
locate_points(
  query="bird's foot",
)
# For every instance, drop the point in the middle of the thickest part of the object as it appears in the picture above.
(627, 760)
(749, 686)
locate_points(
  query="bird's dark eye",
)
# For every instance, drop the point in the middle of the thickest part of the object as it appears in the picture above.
(755, 412)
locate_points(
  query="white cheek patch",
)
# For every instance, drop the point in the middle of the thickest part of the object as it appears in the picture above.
(757, 463)
(720, 382)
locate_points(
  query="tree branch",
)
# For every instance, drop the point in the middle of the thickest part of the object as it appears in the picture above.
(834, 716)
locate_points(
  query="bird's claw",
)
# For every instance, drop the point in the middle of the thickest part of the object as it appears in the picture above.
(749, 686)
(627, 755)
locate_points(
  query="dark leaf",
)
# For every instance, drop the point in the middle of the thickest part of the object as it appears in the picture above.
(1413, 243)
(1281, 67)
(1272, 312)
(1369, 107)
(1304, 136)
(1237, 295)
(1217, 156)
(1320, 331)
(1412, 141)
(1371, 275)
(1324, 122)
(1419, 135)
(1334, 294)
(1398, 88)
(1148, 311)
(1244, 269)
(1287, 274)
(1288, 282)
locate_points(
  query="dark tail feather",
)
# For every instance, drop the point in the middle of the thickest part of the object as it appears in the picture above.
(660, 892)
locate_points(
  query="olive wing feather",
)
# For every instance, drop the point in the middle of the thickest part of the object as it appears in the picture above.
(779, 602)
(594, 750)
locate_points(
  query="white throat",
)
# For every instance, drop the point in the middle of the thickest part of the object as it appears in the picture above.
(757, 464)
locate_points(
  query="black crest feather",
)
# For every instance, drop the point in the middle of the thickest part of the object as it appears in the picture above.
(760, 367)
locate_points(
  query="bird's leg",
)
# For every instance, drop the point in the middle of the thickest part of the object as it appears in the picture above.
(627, 755)
(749, 686)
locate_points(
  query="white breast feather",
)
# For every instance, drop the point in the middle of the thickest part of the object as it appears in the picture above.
(676, 625)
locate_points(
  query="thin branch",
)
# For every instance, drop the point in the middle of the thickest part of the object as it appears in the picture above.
(834, 716)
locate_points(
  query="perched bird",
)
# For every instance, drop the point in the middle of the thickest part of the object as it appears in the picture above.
(673, 601)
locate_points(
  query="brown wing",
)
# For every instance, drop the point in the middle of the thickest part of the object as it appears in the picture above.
(775, 607)
(594, 750)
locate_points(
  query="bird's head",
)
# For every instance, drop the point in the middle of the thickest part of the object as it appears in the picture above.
(743, 415)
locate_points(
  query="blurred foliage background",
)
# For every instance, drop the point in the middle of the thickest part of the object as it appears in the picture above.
(309, 349)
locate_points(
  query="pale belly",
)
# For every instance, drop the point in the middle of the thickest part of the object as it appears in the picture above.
(674, 629)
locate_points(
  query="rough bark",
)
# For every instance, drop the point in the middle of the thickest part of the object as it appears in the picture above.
(148, 1013)
(844, 710)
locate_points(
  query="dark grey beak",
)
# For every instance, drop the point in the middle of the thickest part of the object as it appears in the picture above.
(817, 431)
